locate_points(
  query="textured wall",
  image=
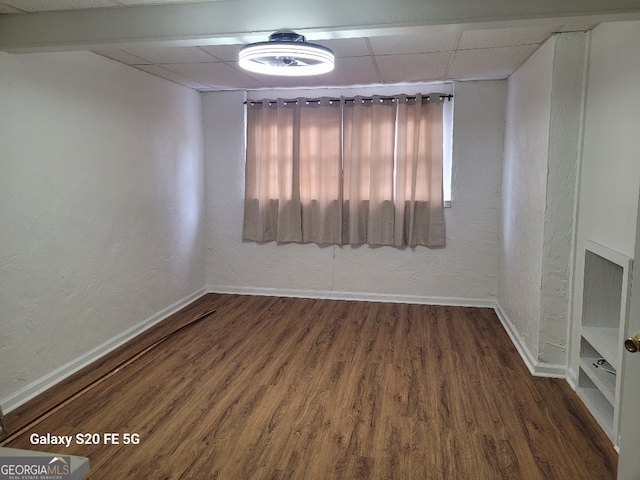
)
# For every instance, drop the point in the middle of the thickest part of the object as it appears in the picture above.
(524, 182)
(566, 124)
(542, 151)
(466, 270)
(101, 197)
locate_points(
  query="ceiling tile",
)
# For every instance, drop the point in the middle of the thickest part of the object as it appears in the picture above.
(352, 70)
(162, 55)
(576, 27)
(50, 5)
(162, 72)
(158, 2)
(346, 47)
(4, 9)
(418, 43)
(226, 53)
(489, 62)
(215, 75)
(276, 82)
(414, 67)
(503, 37)
(47, 5)
(121, 56)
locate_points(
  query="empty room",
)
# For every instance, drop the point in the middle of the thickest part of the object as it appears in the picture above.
(212, 266)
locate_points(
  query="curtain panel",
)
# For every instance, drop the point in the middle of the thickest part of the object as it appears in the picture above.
(345, 171)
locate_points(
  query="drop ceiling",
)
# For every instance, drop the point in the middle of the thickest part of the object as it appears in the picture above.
(384, 56)
(422, 57)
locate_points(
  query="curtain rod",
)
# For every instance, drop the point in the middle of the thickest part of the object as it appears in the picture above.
(346, 99)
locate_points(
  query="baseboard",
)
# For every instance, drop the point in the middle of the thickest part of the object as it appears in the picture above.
(34, 389)
(536, 368)
(572, 378)
(356, 296)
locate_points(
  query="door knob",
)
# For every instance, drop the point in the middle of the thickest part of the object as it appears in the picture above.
(633, 344)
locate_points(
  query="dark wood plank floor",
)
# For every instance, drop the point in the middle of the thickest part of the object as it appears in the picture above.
(279, 388)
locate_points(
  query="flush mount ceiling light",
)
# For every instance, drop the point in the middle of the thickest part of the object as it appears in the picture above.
(286, 53)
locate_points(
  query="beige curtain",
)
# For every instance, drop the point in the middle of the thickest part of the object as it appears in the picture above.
(345, 171)
(293, 172)
(321, 171)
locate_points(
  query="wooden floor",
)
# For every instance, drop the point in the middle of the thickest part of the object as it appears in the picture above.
(277, 388)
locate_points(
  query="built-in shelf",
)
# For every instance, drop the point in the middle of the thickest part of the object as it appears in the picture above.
(605, 298)
(605, 342)
(601, 409)
(602, 380)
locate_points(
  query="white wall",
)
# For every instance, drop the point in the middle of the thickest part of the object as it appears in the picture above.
(610, 179)
(611, 162)
(541, 159)
(524, 181)
(570, 67)
(101, 199)
(463, 272)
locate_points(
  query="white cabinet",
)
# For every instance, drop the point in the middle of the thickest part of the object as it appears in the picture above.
(604, 313)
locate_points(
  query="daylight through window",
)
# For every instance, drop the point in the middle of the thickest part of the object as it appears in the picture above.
(346, 171)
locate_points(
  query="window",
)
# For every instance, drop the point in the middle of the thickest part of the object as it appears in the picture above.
(346, 171)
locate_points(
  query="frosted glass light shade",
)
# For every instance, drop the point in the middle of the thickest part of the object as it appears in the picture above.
(286, 54)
